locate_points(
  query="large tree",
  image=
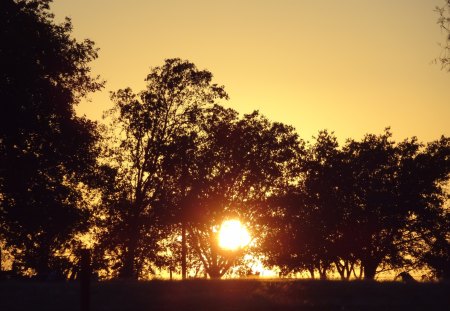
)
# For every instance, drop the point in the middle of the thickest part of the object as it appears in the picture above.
(237, 164)
(45, 149)
(432, 169)
(147, 133)
(399, 196)
(306, 219)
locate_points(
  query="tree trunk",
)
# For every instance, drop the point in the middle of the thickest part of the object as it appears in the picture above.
(370, 269)
(311, 271)
(213, 270)
(322, 267)
(128, 269)
(361, 272)
(340, 269)
(183, 251)
(344, 268)
(349, 268)
(42, 263)
(214, 273)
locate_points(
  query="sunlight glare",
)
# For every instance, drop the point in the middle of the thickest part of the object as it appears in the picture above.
(233, 235)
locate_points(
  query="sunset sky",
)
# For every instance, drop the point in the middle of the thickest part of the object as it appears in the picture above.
(350, 66)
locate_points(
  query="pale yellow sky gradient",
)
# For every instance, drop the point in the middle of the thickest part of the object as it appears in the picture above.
(350, 66)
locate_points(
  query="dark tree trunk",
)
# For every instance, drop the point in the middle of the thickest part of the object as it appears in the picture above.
(361, 272)
(311, 271)
(85, 279)
(370, 269)
(323, 268)
(42, 263)
(345, 269)
(128, 268)
(341, 271)
(183, 251)
(214, 273)
(214, 270)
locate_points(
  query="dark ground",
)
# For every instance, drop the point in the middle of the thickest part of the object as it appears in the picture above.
(227, 295)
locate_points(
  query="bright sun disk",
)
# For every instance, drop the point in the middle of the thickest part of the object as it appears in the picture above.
(233, 235)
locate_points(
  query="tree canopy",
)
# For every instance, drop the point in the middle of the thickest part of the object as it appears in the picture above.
(370, 204)
(171, 163)
(146, 129)
(45, 149)
(238, 163)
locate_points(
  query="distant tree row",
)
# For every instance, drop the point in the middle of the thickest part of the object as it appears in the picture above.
(149, 188)
(369, 206)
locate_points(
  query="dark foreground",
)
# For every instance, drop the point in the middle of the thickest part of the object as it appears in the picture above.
(228, 295)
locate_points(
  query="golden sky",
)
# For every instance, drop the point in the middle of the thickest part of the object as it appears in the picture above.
(350, 66)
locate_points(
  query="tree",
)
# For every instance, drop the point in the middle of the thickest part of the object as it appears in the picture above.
(437, 255)
(307, 217)
(146, 128)
(432, 223)
(373, 205)
(45, 149)
(444, 23)
(238, 163)
(379, 218)
(399, 195)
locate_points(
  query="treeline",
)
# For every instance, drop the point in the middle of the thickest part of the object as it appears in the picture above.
(149, 187)
(371, 205)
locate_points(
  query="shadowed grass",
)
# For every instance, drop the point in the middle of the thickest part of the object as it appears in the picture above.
(228, 295)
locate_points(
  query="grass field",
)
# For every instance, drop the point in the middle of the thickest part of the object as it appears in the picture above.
(228, 295)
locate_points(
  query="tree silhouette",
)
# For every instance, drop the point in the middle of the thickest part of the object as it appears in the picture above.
(146, 129)
(173, 162)
(308, 215)
(433, 224)
(398, 188)
(379, 216)
(45, 149)
(237, 164)
(373, 204)
(444, 23)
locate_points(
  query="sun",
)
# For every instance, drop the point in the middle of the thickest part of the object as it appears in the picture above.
(233, 235)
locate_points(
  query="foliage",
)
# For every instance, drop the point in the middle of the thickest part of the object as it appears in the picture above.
(444, 22)
(174, 161)
(45, 149)
(371, 204)
(435, 251)
(238, 163)
(308, 216)
(146, 129)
